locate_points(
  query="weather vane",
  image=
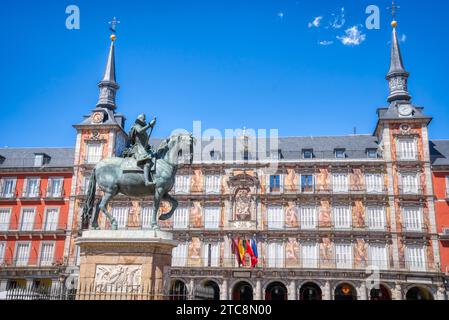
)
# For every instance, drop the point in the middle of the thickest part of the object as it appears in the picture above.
(114, 24)
(394, 9)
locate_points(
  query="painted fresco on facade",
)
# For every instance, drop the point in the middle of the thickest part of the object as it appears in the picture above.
(358, 214)
(324, 217)
(360, 254)
(195, 252)
(291, 215)
(197, 182)
(291, 181)
(292, 253)
(357, 180)
(326, 253)
(196, 214)
(323, 180)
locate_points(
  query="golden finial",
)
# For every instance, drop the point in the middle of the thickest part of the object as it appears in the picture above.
(113, 37)
(394, 8)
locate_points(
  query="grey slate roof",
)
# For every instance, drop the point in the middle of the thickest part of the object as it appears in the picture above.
(24, 157)
(439, 152)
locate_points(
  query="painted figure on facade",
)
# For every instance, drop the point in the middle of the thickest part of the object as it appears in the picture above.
(291, 180)
(291, 215)
(197, 181)
(360, 253)
(324, 217)
(140, 147)
(358, 214)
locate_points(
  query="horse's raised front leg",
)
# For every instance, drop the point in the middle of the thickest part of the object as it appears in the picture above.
(157, 202)
(174, 205)
(103, 205)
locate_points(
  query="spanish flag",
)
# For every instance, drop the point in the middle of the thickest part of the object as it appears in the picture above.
(242, 251)
(235, 250)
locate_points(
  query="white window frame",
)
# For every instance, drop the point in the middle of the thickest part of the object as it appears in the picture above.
(407, 149)
(413, 220)
(416, 257)
(52, 193)
(94, 157)
(313, 183)
(340, 182)
(275, 255)
(344, 255)
(281, 184)
(182, 184)
(374, 256)
(5, 222)
(55, 224)
(121, 215)
(374, 182)
(29, 225)
(212, 217)
(212, 183)
(310, 255)
(214, 254)
(51, 260)
(39, 160)
(20, 263)
(180, 255)
(308, 216)
(26, 192)
(12, 192)
(342, 217)
(376, 217)
(275, 217)
(181, 218)
(2, 252)
(410, 183)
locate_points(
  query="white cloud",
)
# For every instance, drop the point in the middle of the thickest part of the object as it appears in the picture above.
(353, 37)
(339, 19)
(403, 38)
(326, 43)
(316, 22)
(280, 15)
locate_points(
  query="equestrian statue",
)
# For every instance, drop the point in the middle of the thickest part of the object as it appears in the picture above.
(139, 172)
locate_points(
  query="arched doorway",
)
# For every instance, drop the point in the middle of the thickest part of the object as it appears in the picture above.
(345, 292)
(310, 292)
(276, 291)
(417, 293)
(243, 291)
(213, 286)
(381, 293)
(178, 290)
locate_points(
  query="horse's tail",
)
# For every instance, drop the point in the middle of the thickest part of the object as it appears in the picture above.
(90, 201)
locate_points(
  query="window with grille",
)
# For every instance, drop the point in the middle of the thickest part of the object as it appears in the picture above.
(343, 256)
(51, 219)
(2, 252)
(275, 217)
(213, 184)
(376, 218)
(181, 218)
(308, 216)
(307, 183)
(182, 184)
(94, 152)
(211, 255)
(309, 255)
(27, 221)
(5, 219)
(121, 214)
(340, 182)
(416, 258)
(31, 188)
(275, 255)
(179, 255)
(413, 219)
(46, 255)
(342, 217)
(407, 149)
(378, 256)
(374, 183)
(275, 183)
(8, 187)
(410, 183)
(55, 187)
(212, 217)
(22, 254)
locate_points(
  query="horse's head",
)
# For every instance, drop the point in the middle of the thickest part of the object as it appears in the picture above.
(178, 148)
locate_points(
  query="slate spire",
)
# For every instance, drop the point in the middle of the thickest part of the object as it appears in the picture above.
(108, 86)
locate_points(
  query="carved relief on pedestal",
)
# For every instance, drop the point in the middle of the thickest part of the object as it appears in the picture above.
(115, 277)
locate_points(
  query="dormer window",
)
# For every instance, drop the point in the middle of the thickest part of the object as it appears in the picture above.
(307, 153)
(40, 159)
(2, 159)
(371, 153)
(277, 154)
(340, 153)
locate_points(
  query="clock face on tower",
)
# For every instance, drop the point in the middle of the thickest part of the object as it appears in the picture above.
(405, 110)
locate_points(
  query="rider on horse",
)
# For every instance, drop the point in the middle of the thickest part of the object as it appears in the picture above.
(140, 148)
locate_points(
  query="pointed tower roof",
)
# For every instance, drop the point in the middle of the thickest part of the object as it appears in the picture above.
(108, 85)
(397, 76)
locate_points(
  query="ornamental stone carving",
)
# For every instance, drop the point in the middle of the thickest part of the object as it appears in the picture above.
(115, 277)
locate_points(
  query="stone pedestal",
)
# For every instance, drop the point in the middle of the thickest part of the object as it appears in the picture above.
(124, 264)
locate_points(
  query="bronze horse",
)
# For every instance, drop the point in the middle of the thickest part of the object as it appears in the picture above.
(121, 175)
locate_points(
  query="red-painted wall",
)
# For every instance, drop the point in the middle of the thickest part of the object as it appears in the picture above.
(442, 214)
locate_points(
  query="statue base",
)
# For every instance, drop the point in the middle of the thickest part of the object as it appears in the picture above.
(124, 264)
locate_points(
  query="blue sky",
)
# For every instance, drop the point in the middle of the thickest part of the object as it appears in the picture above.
(230, 64)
